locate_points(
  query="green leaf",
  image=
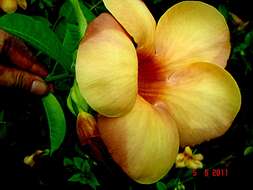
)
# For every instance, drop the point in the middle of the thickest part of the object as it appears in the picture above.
(224, 11)
(56, 121)
(43, 20)
(38, 34)
(90, 179)
(86, 167)
(72, 38)
(93, 182)
(84, 181)
(82, 24)
(87, 12)
(172, 183)
(75, 178)
(67, 11)
(249, 38)
(248, 151)
(68, 162)
(161, 186)
(76, 103)
(60, 29)
(78, 162)
(49, 3)
(72, 27)
(72, 107)
(78, 99)
(85, 176)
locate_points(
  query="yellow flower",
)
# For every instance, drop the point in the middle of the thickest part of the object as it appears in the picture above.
(30, 160)
(157, 86)
(10, 6)
(189, 160)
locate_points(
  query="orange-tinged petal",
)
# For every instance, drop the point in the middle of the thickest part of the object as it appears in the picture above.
(135, 17)
(143, 142)
(102, 22)
(204, 99)
(106, 72)
(192, 31)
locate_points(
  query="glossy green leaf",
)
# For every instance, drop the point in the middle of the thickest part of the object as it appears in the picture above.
(93, 182)
(67, 11)
(68, 162)
(86, 167)
(224, 11)
(78, 162)
(172, 183)
(38, 34)
(80, 18)
(87, 13)
(72, 27)
(72, 38)
(248, 151)
(161, 186)
(75, 102)
(56, 121)
(75, 178)
(249, 38)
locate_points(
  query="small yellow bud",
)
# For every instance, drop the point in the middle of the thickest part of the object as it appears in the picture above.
(22, 4)
(29, 160)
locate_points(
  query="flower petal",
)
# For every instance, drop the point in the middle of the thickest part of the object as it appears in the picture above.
(192, 31)
(198, 157)
(135, 17)
(203, 99)
(143, 142)
(194, 164)
(180, 164)
(106, 72)
(188, 151)
(102, 22)
(180, 161)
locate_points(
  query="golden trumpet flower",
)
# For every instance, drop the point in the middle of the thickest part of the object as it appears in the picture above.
(157, 86)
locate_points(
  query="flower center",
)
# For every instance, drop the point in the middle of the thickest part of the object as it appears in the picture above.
(151, 77)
